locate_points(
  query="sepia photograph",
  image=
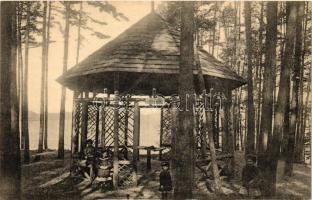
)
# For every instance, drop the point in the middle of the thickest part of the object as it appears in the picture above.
(155, 99)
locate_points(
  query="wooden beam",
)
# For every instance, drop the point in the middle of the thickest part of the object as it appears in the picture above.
(116, 146)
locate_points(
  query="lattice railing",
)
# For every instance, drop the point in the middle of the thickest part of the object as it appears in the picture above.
(77, 123)
(93, 111)
(108, 116)
(125, 175)
(166, 127)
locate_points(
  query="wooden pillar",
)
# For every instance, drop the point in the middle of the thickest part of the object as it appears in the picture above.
(126, 127)
(161, 130)
(203, 137)
(103, 135)
(103, 144)
(116, 145)
(97, 123)
(84, 124)
(75, 123)
(217, 126)
(148, 160)
(223, 133)
(136, 140)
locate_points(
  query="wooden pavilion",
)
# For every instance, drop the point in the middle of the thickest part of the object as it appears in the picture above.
(140, 61)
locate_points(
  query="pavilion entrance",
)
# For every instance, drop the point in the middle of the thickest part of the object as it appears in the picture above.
(112, 122)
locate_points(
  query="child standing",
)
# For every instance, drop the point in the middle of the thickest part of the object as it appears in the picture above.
(165, 183)
(251, 177)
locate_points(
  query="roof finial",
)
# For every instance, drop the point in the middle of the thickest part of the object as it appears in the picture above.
(152, 6)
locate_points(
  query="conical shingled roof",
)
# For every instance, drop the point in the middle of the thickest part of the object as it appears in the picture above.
(149, 48)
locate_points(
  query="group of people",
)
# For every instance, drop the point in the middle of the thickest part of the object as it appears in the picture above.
(95, 165)
(99, 168)
(251, 179)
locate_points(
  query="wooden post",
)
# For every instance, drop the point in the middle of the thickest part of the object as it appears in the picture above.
(97, 128)
(116, 145)
(136, 140)
(103, 144)
(84, 124)
(223, 133)
(148, 160)
(217, 127)
(161, 130)
(126, 127)
(75, 132)
(103, 135)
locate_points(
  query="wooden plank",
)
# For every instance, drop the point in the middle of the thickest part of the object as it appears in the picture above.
(116, 146)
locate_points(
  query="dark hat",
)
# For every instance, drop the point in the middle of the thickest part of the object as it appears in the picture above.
(165, 164)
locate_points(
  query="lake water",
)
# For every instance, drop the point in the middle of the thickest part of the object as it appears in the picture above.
(149, 129)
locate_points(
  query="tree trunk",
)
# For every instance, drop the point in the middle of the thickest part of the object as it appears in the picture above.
(25, 130)
(79, 34)
(46, 91)
(10, 171)
(301, 128)
(268, 88)
(259, 77)
(250, 106)
(20, 63)
(43, 66)
(184, 139)
(274, 145)
(295, 92)
(63, 97)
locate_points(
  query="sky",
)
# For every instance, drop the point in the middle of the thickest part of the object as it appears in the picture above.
(133, 10)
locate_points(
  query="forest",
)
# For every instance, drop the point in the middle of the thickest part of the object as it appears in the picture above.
(257, 81)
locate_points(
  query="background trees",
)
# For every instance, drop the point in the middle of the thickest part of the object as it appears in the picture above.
(265, 42)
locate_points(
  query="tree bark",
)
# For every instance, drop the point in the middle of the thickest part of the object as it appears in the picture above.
(259, 76)
(250, 106)
(20, 63)
(294, 118)
(43, 66)
(79, 34)
(46, 89)
(25, 130)
(10, 171)
(274, 145)
(268, 88)
(299, 156)
(184, 139)
(63, 97)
